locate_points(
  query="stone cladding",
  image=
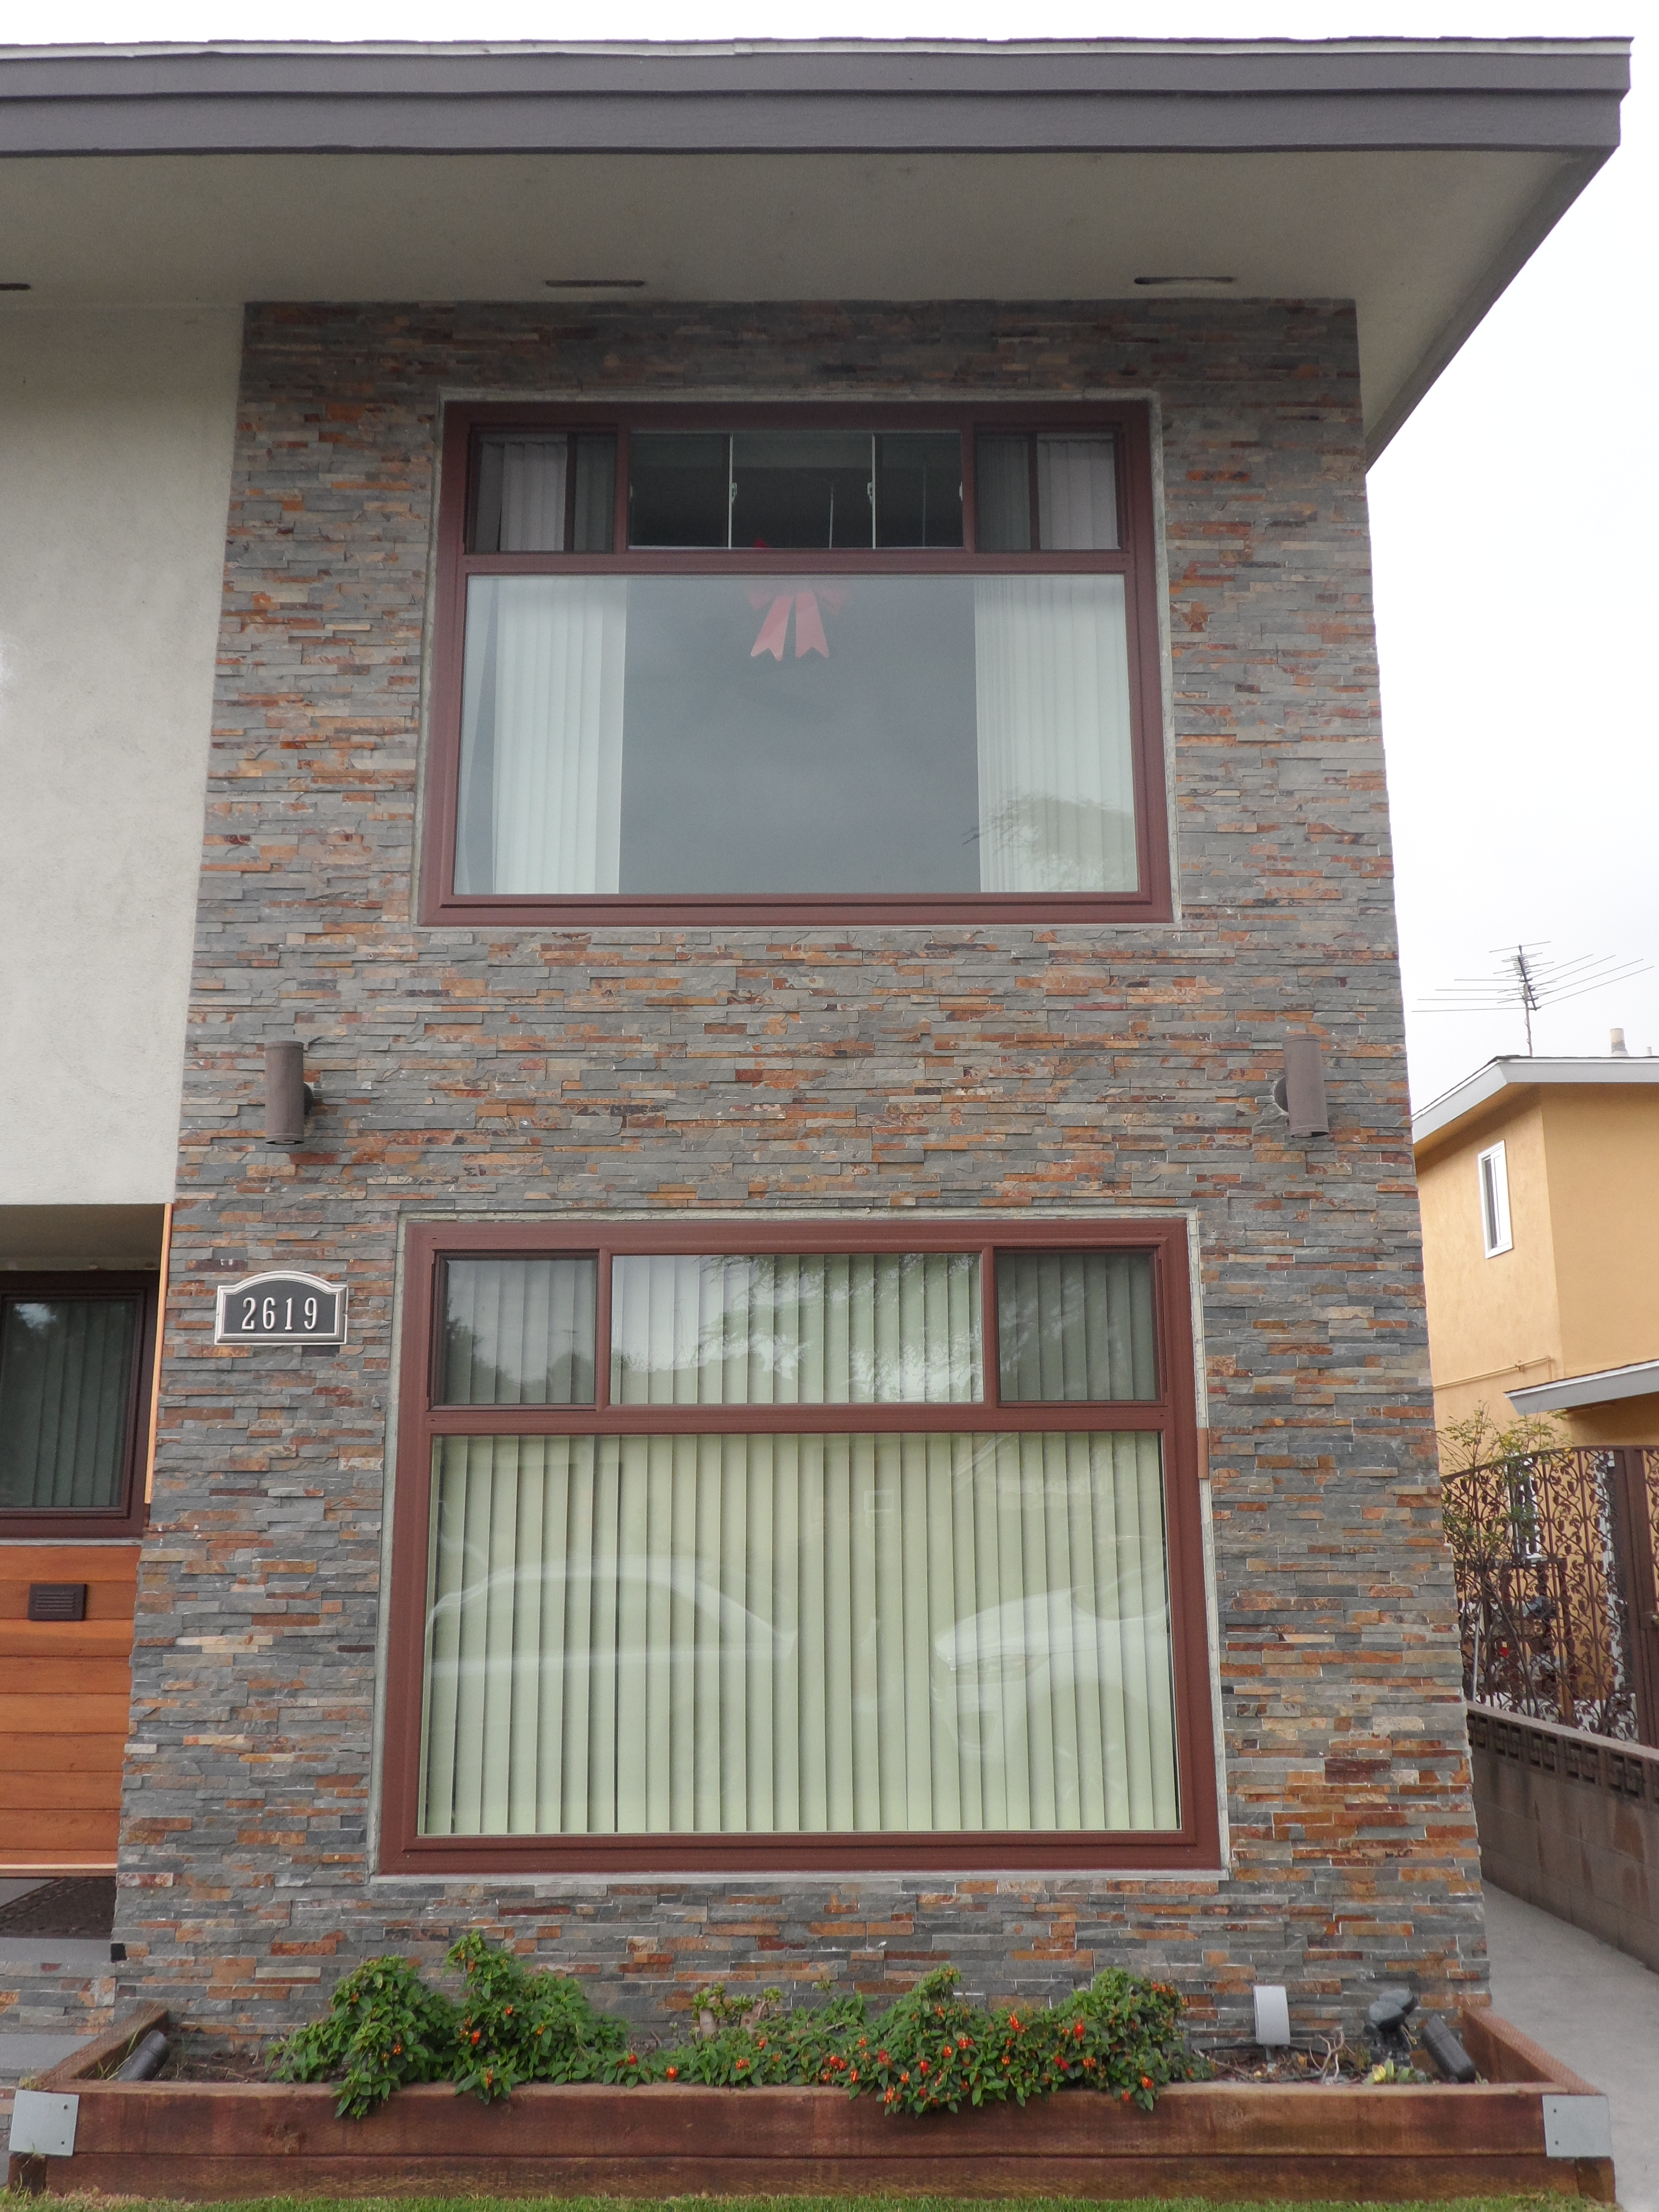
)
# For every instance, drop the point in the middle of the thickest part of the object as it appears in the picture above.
(992, 1068)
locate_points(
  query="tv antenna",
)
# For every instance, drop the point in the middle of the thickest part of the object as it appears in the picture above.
(1523, 978)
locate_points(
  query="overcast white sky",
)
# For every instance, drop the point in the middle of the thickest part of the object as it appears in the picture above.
(1514, 517)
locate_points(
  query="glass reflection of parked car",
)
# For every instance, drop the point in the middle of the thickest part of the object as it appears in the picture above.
(996, 1667)
(661, 1610)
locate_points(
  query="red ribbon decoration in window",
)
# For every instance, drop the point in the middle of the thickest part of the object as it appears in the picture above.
(809, 622)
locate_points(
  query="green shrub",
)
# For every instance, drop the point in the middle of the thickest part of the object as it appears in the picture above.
(384, 2026)
(933, 2050)
(516, 2024)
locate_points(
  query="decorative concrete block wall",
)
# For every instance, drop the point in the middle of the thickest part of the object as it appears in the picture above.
(1570, 1822)
(993, 1068)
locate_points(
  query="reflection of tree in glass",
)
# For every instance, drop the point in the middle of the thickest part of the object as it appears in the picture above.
(837, 1327)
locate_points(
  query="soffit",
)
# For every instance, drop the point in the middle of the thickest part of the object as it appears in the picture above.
(47, 1236)
(1412, 179)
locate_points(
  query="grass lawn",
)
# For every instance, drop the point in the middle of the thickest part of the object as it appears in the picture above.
(95, 2203)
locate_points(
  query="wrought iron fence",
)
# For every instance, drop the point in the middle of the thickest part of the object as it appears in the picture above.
(1553, 1556)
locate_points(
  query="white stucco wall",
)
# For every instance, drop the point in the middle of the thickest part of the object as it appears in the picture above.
(116, 429)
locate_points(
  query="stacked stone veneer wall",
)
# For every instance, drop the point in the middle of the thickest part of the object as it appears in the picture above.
(989, 1068)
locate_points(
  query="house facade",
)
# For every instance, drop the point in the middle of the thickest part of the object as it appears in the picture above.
(1540, 1185)
(791, 1404)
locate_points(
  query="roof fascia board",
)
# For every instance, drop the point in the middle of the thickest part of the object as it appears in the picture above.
(1603, 1389)
(1561, 98)
(1518, 1074)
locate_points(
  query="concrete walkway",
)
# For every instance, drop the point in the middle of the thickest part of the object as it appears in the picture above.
(1595, 2009)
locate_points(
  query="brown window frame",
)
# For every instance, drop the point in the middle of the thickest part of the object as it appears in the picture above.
(79, 1523)
(1135, 560)
(1195, 1844)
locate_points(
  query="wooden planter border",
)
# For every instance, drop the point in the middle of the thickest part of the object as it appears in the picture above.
(201, 2140)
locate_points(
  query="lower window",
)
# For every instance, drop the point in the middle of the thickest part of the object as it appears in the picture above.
(707, 1557)
(75, 1363)
(784, 1633)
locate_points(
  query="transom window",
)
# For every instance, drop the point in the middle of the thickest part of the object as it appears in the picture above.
(712, 1553)
(898, 665)
(75, 1363)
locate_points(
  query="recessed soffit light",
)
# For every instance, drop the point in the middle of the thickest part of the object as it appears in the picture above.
(1185, 280)
(594, 283)
(5, 287)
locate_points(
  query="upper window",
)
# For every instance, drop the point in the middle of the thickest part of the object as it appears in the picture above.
(1492, 1168)
(897, 667)
(73, 1404)
(715, 1557)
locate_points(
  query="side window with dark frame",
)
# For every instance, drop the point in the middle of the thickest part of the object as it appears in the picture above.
(732, 1548)
(74, 1405)
(894, 665)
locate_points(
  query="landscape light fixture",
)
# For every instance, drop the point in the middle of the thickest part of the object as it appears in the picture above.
(288, 1097)
(1386, 2016)
(1272, 2015)
(1447, 2052)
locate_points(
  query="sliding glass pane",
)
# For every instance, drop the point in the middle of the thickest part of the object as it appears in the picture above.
(518, 1332)
(1075, 1325)
(679, 488)
(918, 480)
(66, 1402)
(780, 1635)
(804, 1329)
(793, 489)
(686, 734)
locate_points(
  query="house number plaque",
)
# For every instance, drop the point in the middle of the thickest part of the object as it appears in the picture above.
(280, 1308)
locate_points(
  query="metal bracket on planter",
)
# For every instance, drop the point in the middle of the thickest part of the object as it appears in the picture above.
(1577, 2127)
(42, 2125)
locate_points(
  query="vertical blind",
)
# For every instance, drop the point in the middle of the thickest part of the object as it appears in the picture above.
(1056, 763)
(521, 493)
(66, 1402)
(771, 1635)
(1076, 494)
(808, 1329)
(541, 734)
(518, 1332)
(1075, 1325)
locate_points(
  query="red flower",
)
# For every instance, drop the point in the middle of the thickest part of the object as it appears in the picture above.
(674, 2072)
(476, 2032)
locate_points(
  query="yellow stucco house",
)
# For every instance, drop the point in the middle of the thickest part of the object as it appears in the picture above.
(1540, 1183)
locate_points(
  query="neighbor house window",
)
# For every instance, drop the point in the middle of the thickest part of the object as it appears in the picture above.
(699, 664)
(1493, 1169)
(74, 1404)
(857, 1547)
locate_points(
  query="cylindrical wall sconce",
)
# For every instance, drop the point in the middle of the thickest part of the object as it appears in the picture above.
(1300, 1092)
(286, 1095)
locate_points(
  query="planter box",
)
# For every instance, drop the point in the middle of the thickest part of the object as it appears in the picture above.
(1216, 2140)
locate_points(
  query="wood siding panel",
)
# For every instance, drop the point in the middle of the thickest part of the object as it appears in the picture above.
(65, 1690)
